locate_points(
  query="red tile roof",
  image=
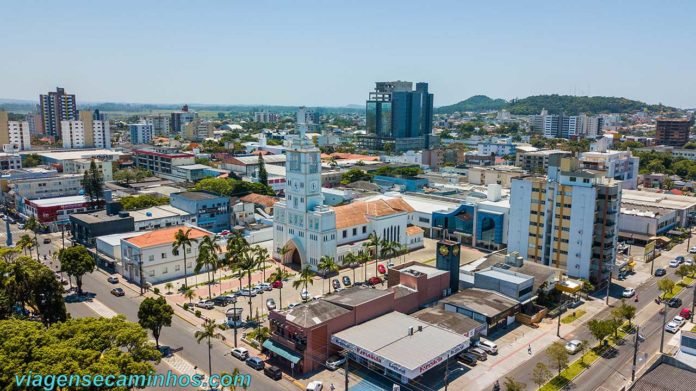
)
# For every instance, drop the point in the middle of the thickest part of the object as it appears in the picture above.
(164, 236)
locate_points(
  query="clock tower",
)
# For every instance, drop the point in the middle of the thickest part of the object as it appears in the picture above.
(448, 260)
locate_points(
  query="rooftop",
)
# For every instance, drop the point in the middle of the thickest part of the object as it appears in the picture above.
(59, 201)
(483, 301)
(97, 217)
(666, 377)
(164, 236)
(355, 296)
(452, 321)
(663, 200)
(196, 167)
(79, 154)
(260, 199)
(252, 160)
(314, 313)
(157, 212)
(541, 273)
(115, 239)
(500, 275)
(197, 195)
(417, 270)
(357, 212)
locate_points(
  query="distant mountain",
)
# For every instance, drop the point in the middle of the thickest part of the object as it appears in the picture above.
(555, 104)
(475, 103)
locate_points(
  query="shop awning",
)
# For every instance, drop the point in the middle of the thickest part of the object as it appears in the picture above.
(282, 351)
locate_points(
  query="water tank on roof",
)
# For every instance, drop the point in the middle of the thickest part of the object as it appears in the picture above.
(123, 214)
(148, 214)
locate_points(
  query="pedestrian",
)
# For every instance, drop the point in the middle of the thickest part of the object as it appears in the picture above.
(529, 349)
(333, 388)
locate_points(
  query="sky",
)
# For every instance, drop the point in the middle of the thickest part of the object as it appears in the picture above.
(330, 53)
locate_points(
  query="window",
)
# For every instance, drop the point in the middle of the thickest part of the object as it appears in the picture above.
(164, 255)
(177, 268)
(165, 270)
(151, 273)
(573, 179)
(151, 258)
(175, 252)
(364, 229)
(345, 233)
(188, 250)
(355, 231)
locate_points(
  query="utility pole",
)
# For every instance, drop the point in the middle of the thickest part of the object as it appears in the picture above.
(693, 304)
(609, 284)
(446, 372)
(664, 321)
(234, 318)
(635, 354)
(558, 328)
(345, 370)
(142, 277)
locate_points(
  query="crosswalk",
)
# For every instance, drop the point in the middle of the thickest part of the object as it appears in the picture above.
(100, 308)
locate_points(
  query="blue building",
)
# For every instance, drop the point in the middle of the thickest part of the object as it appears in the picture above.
(481, 224)
(141, 133)
(406, 184)
(397, 113)
(210, 211)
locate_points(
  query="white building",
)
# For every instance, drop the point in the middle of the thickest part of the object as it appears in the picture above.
(152, 253)
(86, 132)
(19, 137)
(10, 161)
(619, 165)
(408, 157)
(160, 124)
(73, 134)
(79, 166)
(157, 217)
(141, 133)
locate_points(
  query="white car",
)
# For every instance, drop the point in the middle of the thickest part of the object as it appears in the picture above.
(673, 263)
(240, 353)
(292, 305)
(263, 286)
(335, 362)
(692, 250)
(573, 346)
(304, 295)
(208, 305)
(628, 292)
(315, 386)
(672, 327)
(679, 320)
(488, 346)
(689, 262)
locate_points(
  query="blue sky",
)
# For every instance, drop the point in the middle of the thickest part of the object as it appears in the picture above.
(331, 52)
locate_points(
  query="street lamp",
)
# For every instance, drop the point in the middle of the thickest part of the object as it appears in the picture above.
(234, 318)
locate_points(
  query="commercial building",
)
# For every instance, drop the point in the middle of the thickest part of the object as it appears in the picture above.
(400, 346)
(398, 114)
(180, 118)
(14, 135)
(149, 257)
(193, 173)
(567, 219)
(52, 210)
(501, 175)
(161, 160)
(673, 131)
(57, 107)
(619, 165)
(683, 206)
(209, 211)
(87, 132)
(249, 165)
(160, 124)
(60, 157)
(157, 217)
(85, 227)
(537, 162)
(141, 133)
(47, 186)
(490, 308)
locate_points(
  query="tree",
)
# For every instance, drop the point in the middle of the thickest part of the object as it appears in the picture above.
(76, 262)
(683, 271)
(233, 187)
(183, 241)
(278, 275)
(263, 174)
(189, 293)
(168, 286)
(540, 374)
(209, 332)
(34, 226)
(305, 278)
(364, 259)
(327, 265)
(665, 286)
(513, 385)
(351, 260)
(373, 241)
(625, 311)
(143, 201)
(31, 160)
(558, 356)
(260, 334)
(261, 258)
(85, 346)
(207, 257)
(247, 263)
(154, 314)
(354, 175)
(600, 329)
(93, 184)
(25, 243)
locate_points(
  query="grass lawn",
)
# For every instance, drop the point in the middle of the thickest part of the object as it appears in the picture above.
(677, 288)
(573, 316)
(693, 330)
(573, 371)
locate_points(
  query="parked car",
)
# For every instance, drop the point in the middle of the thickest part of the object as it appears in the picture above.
(659, 272)
(112, 279)
(692, 250)
(674, 302)
(335, 362)
(118, 292)
(679, 320)
(270, 304)
(263, 286)
(689, 262)
(480, 354)
(292, 305)
(468, 359)
(573, 346)
(628, 292)
(315, 386)
(247, 292)
(335, 283)
(240, 353)
(20, 226)
(685, 313)
(255, 362)
(488, 346)
(673, 263)
(304, 295)
(47, 240)
(374, 280)
(206, 304)
(672, 327)
(273, 372)
(222, 301)
(346, 281)
(277, 284)
(381, 268)
(680, 259)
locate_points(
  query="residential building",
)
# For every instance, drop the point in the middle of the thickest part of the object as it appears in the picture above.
(160, 124)
(141, 133)
(567, 219)
(161, 160)
(400, 115)
(197, 130)
(87, 132)
(501, 175)
(79, 166)
(150, 258)
(57, 107)
(537, 162)
(499, 148)
(673, 131)
(14, 135)
(180, 118)
(536, 121)
(561, 126)
(591, 126)
(35, 123)
(266, 117)
(10, 161)
(209, 210)
(157, 217)
(619, 165)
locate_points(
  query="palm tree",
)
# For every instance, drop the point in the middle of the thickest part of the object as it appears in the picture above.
(168, 286)
(279, 275)
(388, 249)
(247, 264)
(35, 226)
(189, 293)
(364, 259)
(373, 241)
(283, 252)
(351, 259)
(25, 243)
(262, 255)
(209, 331)
(260, 334)
(207, 256)
(182, 240)
(305, 277)
(327, 265)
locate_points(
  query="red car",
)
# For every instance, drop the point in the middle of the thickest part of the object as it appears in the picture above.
(277, 284)
(685, 313)
(381, 268)
(374, 281)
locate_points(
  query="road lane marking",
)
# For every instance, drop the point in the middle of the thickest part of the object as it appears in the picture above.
(100, 308)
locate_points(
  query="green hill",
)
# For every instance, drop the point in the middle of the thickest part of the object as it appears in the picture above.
(555, 104)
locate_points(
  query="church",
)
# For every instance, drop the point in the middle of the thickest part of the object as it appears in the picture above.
(307, 229)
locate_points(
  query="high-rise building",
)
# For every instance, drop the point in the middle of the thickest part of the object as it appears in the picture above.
(14, 135)
(397, 114)
(536, 122)
(567, 127)
(673, 131)
(561, 126)
(35, 123)
(87, 132)
(141, 133)
(55, 108)
(160, 124)
(567, 219)
(266, 117)
(591, 126)
(197, 130)
(181, 118)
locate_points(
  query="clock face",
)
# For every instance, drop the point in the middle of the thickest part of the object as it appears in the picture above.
(444, 251)
(455, 250)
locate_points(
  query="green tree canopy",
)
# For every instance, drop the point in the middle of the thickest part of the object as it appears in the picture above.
(154, 314)
(354, 175)
(143, 201)
(76, 261)
(233, 187)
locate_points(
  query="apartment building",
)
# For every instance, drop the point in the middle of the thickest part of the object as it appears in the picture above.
(10, 161)
(501, 175)
(57, 107)
(180, 118)
(567, 219)
(79, 166)
(619, 165)
(160, 124)
(141, 133)
(161, 160)
(673, 131)
(537, 162)
(198, 129)
(14, 135)
(87, 132)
